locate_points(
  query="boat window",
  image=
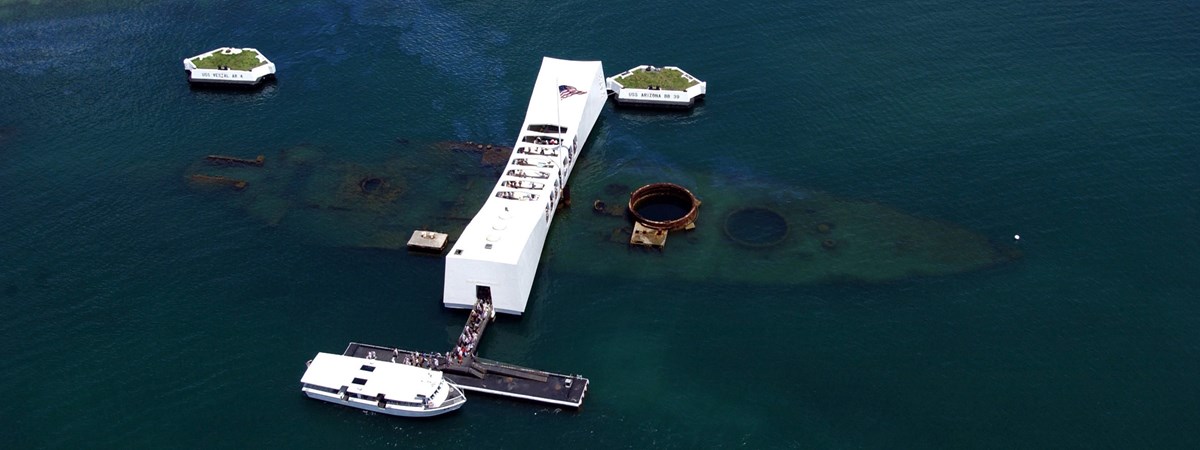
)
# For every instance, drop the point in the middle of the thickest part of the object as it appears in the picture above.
(367, 368)
(540, 140)
(320, 388)
(542, 128)
(538, 151)
(528, 173)
(526, 162)
(510, 195)
(359, 381)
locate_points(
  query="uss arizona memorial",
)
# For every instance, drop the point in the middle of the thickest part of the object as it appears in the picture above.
(497, 254)
(490, 269)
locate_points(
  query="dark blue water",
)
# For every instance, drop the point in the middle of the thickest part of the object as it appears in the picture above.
(141, 312)
(664, 208)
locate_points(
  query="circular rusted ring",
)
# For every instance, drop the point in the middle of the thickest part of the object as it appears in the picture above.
(664, 189)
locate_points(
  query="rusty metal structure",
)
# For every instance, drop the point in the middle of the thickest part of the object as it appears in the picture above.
(222, 159)
(680, 213)
(669, 192)
(219, 180)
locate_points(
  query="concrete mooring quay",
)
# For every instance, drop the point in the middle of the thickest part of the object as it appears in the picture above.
(471, 373)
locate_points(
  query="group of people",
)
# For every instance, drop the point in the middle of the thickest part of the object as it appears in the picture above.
(426, 360)
(522, 184)
(528, 174)
(468, 341)
(510, 195)
(538, 151)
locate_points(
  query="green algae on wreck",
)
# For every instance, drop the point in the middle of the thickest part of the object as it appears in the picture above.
(373, 204)
(757, 233)
(771, 234)
(761, 232)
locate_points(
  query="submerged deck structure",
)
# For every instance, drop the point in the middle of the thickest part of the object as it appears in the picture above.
(497, 254)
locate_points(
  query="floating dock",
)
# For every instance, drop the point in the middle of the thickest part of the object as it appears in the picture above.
(469, 372)
(497, 378)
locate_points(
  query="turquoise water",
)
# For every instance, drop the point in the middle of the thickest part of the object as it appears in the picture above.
(139, 311)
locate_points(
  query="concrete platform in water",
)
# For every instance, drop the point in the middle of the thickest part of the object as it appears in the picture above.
(491, 377)
(229, 66)
(656, 87)
(428, 241)
(471, 373)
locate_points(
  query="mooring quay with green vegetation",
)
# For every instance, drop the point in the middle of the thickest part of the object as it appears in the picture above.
(229, 66)
(656, 87)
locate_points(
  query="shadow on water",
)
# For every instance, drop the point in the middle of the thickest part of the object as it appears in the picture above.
(267, 86)
(748, 231)
(6, 135)
(647, 115)
(647, 112)
(352, 204)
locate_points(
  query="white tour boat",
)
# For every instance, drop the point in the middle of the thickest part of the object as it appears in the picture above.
(380, 386)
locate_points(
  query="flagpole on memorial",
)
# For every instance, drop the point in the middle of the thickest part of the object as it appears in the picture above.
(558, 110)
(558, 125)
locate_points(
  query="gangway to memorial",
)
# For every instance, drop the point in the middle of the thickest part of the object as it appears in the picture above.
(463, 367)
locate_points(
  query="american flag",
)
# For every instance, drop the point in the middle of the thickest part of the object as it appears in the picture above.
(565, 91)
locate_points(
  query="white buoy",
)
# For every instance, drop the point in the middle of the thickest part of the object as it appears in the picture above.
(1016, 237)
